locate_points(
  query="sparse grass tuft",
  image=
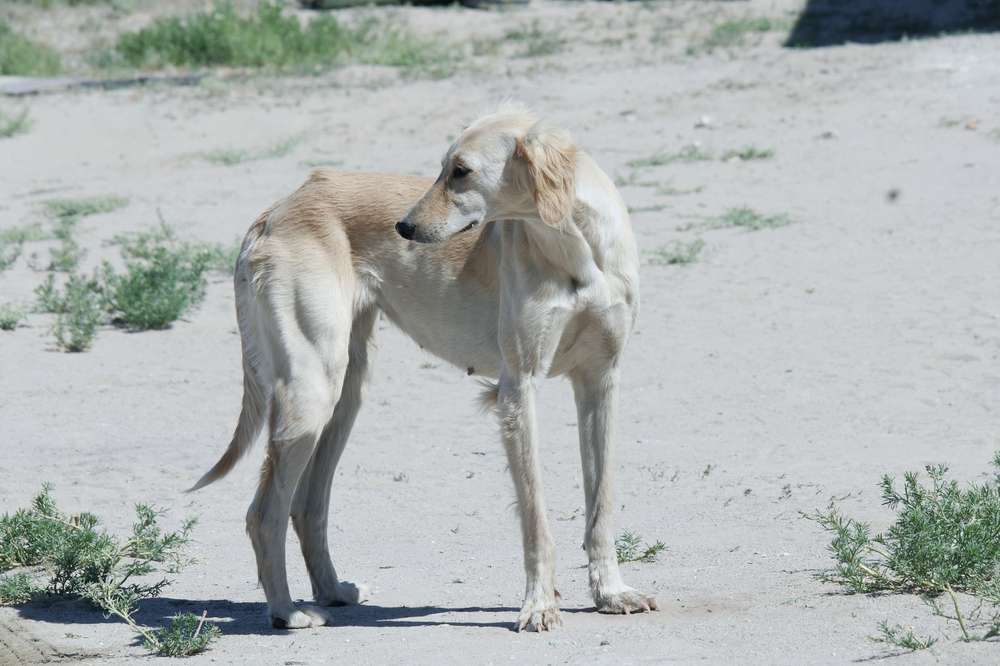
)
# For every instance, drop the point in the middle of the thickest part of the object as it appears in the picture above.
(63, 209)
(536, 41)
(733, 33)
(944, 539)
(187, 634)
(10, 316)
(18, 123)
(749, 219)
(691, 153)
(748, 153)
(19, 56)
(67, 255)
(630, 548)
(902, 637)
(12, 241)
(234, 156)
(677, 252)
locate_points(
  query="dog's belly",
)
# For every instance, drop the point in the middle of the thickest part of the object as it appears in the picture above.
(452, 319)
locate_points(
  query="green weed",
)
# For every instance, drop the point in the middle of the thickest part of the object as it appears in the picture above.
(16, 589)
(902, 637)
(19, 56)
(691, 153)
(10, 316)
(677, 252)
(630, 548)
(944, 539)
(748, 153)
(747, 218)
(18, 123)
(187, 634)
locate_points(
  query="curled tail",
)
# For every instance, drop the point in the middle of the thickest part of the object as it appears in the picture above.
(248, 427)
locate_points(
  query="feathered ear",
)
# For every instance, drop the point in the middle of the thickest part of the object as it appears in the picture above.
(550, 156)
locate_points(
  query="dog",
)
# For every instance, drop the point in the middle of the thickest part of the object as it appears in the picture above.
(517, 262)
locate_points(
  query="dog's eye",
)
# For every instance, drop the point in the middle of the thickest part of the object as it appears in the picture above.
(460, 171)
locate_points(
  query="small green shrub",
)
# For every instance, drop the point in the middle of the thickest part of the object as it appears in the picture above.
(630, 548)
(10, 316)
(78, 559)
(747, 218)
(47, 297)
(944, 539)
(164, 277)
(81, 310)
(269, 38)
(158, 289)
(19, 56)
(187, 634)
(18, 123)
(677, 252)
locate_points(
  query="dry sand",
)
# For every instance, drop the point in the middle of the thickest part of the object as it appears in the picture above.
(784, 368)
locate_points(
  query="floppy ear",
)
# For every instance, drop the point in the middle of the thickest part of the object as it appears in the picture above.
(550, 156)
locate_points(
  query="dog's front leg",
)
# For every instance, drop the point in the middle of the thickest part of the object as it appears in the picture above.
(516, 406)
(596, 393)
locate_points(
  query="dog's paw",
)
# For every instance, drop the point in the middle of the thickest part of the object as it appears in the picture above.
(626, 602)
(298, 619)
(539, 616)
(345, 594)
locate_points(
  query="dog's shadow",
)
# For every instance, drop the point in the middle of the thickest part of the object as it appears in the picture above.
(243, 618)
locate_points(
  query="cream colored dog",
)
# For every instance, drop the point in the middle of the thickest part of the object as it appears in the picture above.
(518, 262)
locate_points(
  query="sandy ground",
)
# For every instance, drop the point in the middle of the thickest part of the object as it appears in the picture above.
(784, 368)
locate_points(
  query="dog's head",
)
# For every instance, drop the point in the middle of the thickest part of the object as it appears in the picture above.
(506, 165)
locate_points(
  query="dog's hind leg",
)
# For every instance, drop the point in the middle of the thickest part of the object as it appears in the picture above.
(307, 327)
(596, 393)
(311, 505)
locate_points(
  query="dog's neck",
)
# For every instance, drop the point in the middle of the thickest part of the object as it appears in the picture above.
(595, 239)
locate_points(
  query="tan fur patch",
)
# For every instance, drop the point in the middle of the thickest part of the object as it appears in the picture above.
(550, 156)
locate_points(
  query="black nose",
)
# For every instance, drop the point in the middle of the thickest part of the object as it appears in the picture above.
(405, 229)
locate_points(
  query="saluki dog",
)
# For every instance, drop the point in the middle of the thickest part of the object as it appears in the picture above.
(517, 262)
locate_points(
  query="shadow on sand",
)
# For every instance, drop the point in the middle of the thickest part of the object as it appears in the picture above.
(833, 22)
(243, 618)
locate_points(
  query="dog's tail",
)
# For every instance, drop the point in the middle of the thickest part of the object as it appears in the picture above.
(248, 427)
